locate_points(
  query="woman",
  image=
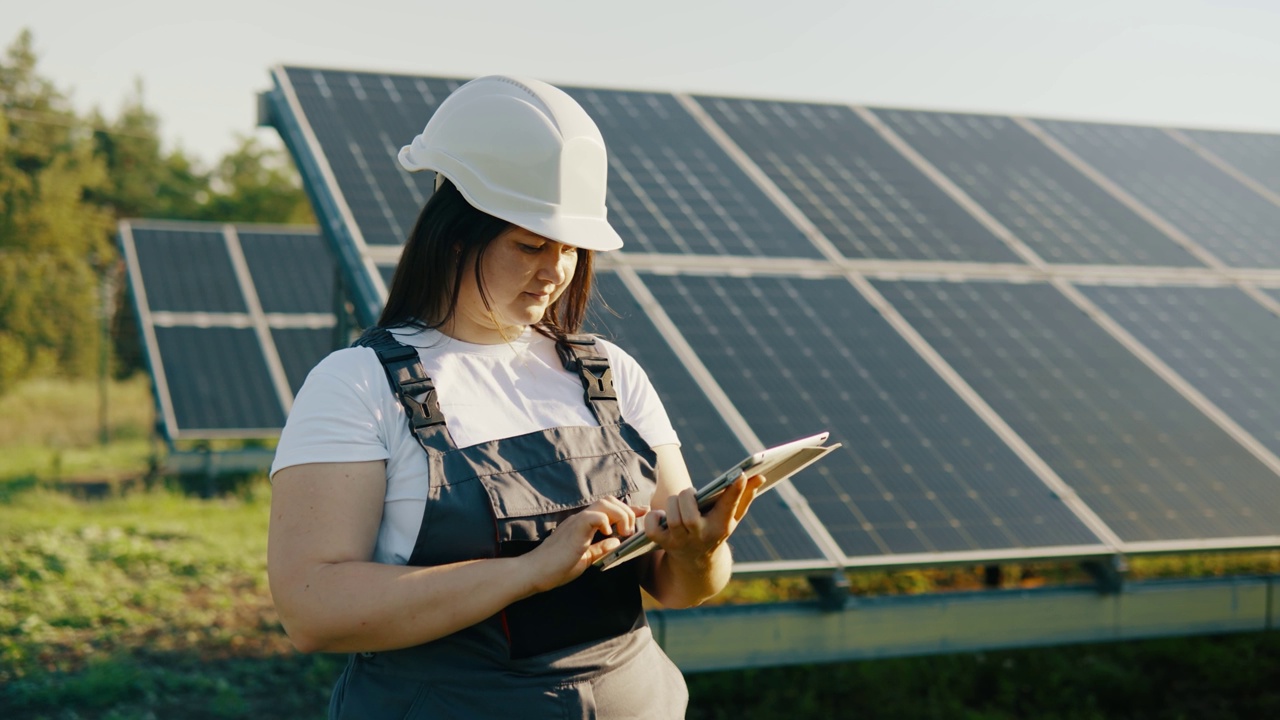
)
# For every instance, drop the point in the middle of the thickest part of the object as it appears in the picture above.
(440, 493)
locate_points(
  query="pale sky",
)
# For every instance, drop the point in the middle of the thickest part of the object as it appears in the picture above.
(1187, 63)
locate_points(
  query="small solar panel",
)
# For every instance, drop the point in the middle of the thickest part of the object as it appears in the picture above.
(1140, 455)
(864, 196)
(1218, 339)
(1241, 228)
(1059, 213)
(233, 318)
(770, 533)
(920, 474)
(1255, 154)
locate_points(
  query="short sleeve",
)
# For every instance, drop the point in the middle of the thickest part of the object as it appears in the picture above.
(337, 415)
(639, 402)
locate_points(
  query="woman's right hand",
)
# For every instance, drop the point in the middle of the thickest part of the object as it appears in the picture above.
(571, 548)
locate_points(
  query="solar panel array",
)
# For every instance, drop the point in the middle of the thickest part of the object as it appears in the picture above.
(232, 319)
(1033, 338)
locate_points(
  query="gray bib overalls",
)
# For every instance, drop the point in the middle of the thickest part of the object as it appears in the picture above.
(582, 650)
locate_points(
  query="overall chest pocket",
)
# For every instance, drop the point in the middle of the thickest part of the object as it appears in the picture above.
(529, 503)
(527, 506)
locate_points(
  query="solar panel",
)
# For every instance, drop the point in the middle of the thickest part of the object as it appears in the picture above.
(673, 190)
(770, 534)
(864, 196)
(1255, 154)
(232, 320)
(1056, 211)
(1241, 228)
(1217, 338)
(920, 475)
(925, 478)
(1140, 455)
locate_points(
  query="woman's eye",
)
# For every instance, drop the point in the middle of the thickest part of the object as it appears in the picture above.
(568, 250)
(531, 249)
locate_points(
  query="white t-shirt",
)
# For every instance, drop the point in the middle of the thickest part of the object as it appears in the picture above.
(346, 412)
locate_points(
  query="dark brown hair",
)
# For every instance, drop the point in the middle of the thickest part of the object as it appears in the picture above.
(448, 234)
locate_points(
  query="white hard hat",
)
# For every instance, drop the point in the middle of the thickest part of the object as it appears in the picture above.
(523, 151)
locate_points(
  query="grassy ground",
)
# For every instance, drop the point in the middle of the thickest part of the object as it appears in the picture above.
(49, 429)
(153, 604)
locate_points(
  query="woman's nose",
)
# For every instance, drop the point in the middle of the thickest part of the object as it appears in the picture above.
(557, 267)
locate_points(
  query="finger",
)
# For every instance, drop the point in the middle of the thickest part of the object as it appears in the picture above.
(682, 511)
(620, 515)
(748, 495)
(726, 505)
(654, 525)
(589, 522)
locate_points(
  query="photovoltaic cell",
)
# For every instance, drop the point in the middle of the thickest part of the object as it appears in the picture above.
(1255, 154)
(1217, 338)
(673, 190)
(919, 473)
(770, 532)
(293, 272)
(188, 271)
(1058, 212)
(1139, 454)
(864, 196)
(1215, 210)
(218, 379)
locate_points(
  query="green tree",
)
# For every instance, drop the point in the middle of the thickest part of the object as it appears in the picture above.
(144, 181)
(51, 234)
(254, 183)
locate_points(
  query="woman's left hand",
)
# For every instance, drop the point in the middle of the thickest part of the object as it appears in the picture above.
(692, 536)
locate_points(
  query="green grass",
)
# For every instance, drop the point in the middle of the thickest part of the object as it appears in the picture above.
(150, 602)
(154, 604)
(50, 430)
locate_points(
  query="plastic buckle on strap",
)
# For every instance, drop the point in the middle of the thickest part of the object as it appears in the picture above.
(597, 379)
(396, 353)
(426, 413)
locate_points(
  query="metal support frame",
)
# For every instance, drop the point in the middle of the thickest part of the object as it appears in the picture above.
(833, 591)
(1108, 573)
(732, 637)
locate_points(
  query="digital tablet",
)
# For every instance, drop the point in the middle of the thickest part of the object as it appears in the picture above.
(775, 464)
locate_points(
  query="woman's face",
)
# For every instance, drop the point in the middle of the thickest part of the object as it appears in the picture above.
(523, 274)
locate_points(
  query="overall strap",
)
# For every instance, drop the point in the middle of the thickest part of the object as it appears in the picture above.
(409, 380)
(584, 358)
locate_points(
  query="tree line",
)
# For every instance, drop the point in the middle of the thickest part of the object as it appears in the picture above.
(66, 178)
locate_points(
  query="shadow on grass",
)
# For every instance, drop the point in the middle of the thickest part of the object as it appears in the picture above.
(1200, 678)
(141, 685)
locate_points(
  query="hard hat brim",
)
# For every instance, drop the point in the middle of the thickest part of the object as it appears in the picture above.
(588, 233)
